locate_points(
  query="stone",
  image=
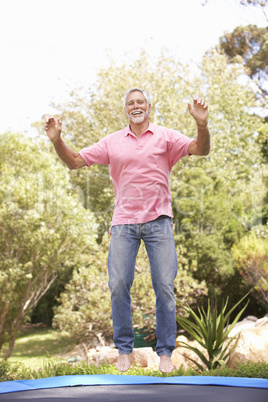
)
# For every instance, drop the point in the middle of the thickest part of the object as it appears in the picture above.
(252, 345)
(262, 322)
(144, 357)
(178, 359)
(181, 338)
(105, 355)
(248, 322)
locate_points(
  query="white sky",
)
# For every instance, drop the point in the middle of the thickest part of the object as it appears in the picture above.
(47, 45)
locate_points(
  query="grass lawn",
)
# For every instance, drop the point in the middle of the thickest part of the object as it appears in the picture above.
(36, 343)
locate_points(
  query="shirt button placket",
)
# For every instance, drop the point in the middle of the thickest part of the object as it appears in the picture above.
(139, 144)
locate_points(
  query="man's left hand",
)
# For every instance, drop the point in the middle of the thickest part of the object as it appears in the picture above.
(199, 111)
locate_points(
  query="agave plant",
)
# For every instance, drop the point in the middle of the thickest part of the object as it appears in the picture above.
(210, 330)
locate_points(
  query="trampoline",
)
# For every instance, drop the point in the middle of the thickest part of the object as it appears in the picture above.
(126, 388)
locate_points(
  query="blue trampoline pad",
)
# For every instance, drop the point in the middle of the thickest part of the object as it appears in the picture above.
(136, 388)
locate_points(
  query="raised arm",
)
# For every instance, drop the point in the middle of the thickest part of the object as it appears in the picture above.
(199, 111)
(72, 159)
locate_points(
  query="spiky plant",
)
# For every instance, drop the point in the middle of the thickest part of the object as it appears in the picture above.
(211, 330)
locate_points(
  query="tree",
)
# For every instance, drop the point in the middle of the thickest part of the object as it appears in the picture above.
(44, 229)
(249, 45)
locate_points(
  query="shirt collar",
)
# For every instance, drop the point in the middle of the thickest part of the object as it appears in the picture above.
(150, 128)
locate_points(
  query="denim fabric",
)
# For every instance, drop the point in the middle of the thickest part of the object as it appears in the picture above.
(159, 242)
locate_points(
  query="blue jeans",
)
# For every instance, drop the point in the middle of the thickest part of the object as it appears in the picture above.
(159, 242)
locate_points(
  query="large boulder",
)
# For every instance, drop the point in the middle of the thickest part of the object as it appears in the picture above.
(249, 322)
(252, 345)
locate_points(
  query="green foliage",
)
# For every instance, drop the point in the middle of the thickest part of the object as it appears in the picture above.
(207, 222)
(84, 309)
(243, 370)
(251, 255)
(45, 231)
(216, 198)
(211, 330)
(263, 139)
(17, 371)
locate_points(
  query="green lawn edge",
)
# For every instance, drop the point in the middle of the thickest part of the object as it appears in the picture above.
(11, 371)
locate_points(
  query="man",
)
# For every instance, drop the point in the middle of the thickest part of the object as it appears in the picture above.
(140, 158)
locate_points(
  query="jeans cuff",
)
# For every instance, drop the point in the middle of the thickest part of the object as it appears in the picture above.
(125, 352)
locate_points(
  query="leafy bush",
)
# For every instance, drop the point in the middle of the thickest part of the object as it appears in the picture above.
(12, 371)
(251, 255)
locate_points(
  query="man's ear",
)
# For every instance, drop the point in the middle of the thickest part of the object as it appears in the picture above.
(149, 109)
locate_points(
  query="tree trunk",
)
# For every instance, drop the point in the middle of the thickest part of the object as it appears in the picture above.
(3, 316)
(10, 348)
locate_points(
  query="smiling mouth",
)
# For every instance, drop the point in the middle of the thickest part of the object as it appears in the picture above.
(136, 113)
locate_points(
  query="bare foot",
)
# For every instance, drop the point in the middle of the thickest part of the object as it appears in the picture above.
(123, 363)
(166, 365)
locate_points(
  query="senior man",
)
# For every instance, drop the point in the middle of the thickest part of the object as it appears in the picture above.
(140, 159)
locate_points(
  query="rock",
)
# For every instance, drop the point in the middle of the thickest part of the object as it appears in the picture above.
(178, 359)
(104, 355)
(262, 322)
(251, 318)
(183, 355)
(181, 338)
(144, 357)
(248, 322)
(252, 345)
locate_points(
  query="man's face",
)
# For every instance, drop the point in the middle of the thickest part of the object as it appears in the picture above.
(137, 109)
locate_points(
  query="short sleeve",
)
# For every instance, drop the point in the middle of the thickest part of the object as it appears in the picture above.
(96, 153)
(178, 146)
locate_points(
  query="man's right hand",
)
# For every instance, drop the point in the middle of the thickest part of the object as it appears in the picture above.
(53, 129)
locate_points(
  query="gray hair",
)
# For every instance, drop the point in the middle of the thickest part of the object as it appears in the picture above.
(145, 94)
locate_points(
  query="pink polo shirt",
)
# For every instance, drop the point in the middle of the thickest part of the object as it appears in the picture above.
(140, 170)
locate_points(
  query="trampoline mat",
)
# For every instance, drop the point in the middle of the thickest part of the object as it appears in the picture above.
(141, 393)
(135, 388)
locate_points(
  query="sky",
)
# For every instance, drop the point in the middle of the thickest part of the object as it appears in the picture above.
(48, 47)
